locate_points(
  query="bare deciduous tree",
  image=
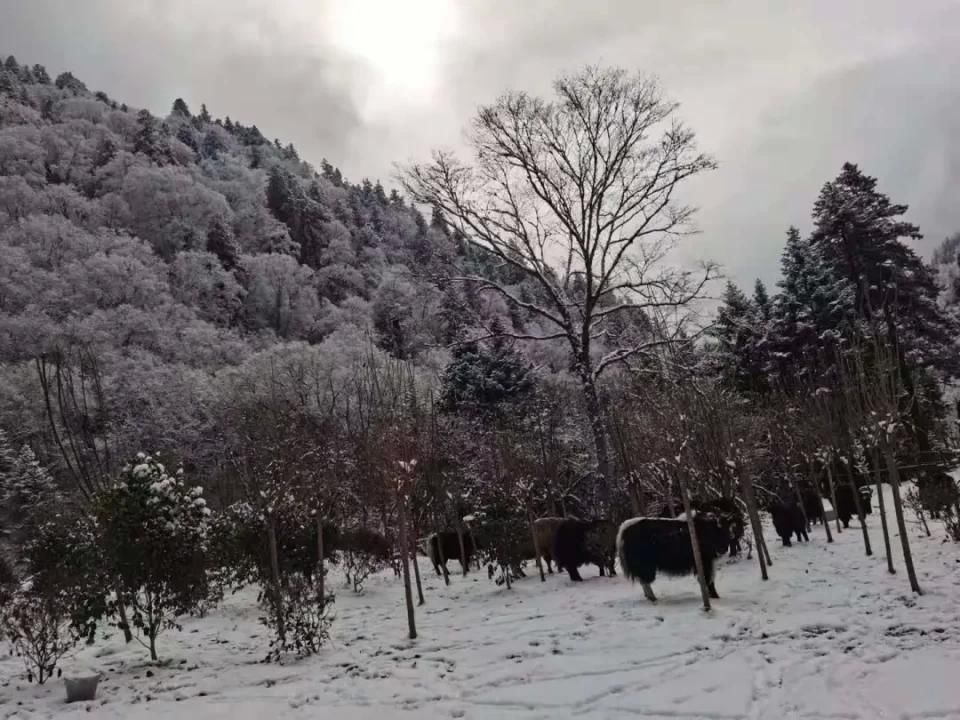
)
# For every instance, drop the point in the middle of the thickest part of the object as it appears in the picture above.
(579, 196)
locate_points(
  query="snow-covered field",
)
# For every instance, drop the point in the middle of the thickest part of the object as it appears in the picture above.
(830, 635)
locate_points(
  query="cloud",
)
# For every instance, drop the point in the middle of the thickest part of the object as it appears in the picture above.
(781, 93)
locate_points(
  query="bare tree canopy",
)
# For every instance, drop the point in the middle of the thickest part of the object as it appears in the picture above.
(580, 194)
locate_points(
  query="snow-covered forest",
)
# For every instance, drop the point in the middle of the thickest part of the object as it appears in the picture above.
(251, 411)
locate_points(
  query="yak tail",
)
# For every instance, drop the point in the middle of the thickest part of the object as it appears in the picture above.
(621, 556)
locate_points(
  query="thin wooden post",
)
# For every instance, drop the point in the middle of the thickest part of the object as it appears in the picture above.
(405, 565)
(833, 495)
(749, 499)
(894, 474)
(883, 513)
(320, 578)
(697, 559)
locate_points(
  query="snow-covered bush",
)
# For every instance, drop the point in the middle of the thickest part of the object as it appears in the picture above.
(358, 566)
(38, 628)
(301, 624)
(293, 608)
(64, 561)
(153, 531)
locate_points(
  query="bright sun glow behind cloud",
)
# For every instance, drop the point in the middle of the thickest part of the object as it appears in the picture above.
(401, 43)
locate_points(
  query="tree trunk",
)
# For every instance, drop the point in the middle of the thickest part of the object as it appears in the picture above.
(746, 490)
(894, 474)
(803, 510)
(153, 644)
(597, 428)
(536, 546)
(405, 564)
(923, 520)
(416, 570)
(697, 559)
(122, 614)
(859, 507)
(275, 573)
(823, 512)
(463, 547)
(833, 496)
(441, 556)
(320, 578)
(883, 513)
(636, 499)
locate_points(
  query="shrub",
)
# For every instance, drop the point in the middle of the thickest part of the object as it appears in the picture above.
(305, 619)
(39, 629)
(153, 531)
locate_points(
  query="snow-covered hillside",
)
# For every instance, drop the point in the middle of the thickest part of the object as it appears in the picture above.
(831, 635)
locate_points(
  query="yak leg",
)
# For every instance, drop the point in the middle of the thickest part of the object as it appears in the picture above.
(712, 589)
(574, 574)
(648, 591)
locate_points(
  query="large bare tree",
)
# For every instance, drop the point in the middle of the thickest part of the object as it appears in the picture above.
(579, 194)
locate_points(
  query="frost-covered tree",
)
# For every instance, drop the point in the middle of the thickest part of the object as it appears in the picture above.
(180, 108)
(739, 332)
(28, 495)
(147, 139)
(153, 530)
(579, 188)
(859, 236)
(221, 243)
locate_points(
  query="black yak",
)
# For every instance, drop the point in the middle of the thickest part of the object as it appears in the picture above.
(847, 508)
(450, 544)
(584, 542)
(727, 510)
(368, 542)
(646, 545)
(788, 520)
(729, 515)
(545, 530)
(866, 499)
(938, 493)
(812, 506)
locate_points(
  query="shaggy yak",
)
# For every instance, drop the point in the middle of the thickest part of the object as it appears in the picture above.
(847, 508)
(730, 516)
(788, 520)
(727, 510)
(646, 545)
(545, 530)
(584, 542)
(938, 493)
(812, 505)
(450, 544)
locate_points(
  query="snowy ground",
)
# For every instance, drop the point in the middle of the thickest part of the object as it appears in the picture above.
(831, 635)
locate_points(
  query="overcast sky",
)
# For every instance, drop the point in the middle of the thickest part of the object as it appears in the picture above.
(781, 93)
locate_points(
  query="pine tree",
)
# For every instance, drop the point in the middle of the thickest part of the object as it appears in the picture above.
(761, 300)
(804, 317)
(484, 378)
(28, 495)
(204, 113)
(41, 75)
(180, 108)
(220, 242)
(738, 332)
(875, 279)
(146, 140)
(186, 136)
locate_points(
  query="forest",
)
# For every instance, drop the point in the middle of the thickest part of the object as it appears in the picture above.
(223, 367)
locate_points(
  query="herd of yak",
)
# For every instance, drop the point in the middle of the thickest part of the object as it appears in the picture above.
(646, 545)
